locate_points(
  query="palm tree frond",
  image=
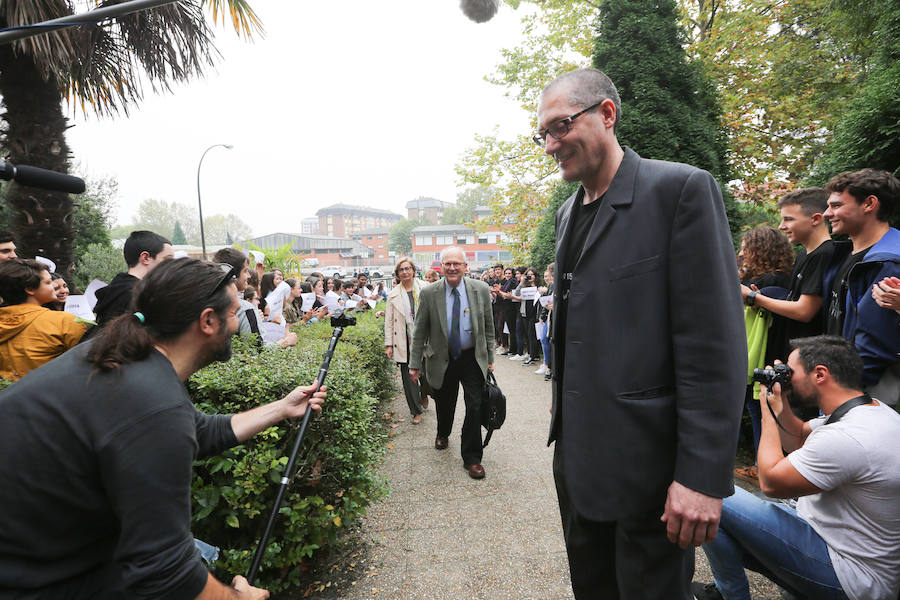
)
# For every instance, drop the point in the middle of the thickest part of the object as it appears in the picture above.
(243, 18)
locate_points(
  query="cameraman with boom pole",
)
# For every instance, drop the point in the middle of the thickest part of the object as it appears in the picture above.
(98, 447)
(843, 539)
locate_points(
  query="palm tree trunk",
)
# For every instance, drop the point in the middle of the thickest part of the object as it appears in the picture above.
(35, 135)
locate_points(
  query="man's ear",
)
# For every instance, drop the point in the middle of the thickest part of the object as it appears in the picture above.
(144, 258)
(870, 204)
(209, 322)
(820, 372)
(817, 219)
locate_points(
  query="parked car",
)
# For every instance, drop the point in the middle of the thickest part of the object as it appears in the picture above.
(436, 267)
(333, 271)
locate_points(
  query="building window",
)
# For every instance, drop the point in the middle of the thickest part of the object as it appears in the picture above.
(465, 239)
(482, 239)
(380, 246)
(423, 240)
(443, 240)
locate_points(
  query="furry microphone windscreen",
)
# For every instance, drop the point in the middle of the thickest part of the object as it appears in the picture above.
(479, 11)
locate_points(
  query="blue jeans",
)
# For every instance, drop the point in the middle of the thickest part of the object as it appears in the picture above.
(769, 538)
(545, 342)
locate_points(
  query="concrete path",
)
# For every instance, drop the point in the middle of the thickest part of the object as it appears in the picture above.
(441, 535)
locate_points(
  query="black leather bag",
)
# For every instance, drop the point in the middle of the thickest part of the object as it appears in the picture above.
(493, 407)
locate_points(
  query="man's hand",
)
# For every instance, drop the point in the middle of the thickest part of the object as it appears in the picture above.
(297, 400)
(773, 396)
(379, 314)
(491, 367)
(245, 590)
(887, 293)
(289, 339)
(414, 375)
(389, 350)
(691, 518)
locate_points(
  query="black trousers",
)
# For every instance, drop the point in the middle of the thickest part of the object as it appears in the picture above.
(630, 558)
(510, 317)
(411, 390)
(466, 371)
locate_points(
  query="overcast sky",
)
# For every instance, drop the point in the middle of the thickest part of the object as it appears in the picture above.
(368, 103)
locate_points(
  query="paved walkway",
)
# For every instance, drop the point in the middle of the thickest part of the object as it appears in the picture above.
(442, 535)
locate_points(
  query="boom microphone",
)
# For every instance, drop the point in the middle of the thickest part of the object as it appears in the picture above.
(41, 178)
(480, 11)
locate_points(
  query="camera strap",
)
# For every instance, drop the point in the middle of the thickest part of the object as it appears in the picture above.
(844, 408)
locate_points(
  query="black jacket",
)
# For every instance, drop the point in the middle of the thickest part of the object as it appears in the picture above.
(114, 299)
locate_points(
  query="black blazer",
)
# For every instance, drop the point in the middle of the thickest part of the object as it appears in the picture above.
(654, 366)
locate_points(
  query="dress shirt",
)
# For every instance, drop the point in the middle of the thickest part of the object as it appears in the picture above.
(465, 315)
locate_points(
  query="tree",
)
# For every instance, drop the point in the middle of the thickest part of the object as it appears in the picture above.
(162, 217)
(178, 238)
(93, 214)
(400, 235)
(868, 134)
(98, 261)
(466, 203)
(101, 66)
(669, 108)
(217, 228)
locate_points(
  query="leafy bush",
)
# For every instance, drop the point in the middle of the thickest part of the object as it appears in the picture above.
(335, 478)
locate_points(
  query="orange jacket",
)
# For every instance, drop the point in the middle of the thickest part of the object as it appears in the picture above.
(32, 335)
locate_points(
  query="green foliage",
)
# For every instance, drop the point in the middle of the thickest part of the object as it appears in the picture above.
(400, 235)
(93, 215)
(335, 479)
(668, 108)
(161, 217)
(178, 238)
(282, 258)
(543, 252)
(466, 203)
(868, 134)
(98, 261)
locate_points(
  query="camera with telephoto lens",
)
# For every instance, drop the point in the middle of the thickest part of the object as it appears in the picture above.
(769, 377)
(342, 319)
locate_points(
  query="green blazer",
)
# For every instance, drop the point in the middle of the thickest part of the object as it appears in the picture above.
(430, 329)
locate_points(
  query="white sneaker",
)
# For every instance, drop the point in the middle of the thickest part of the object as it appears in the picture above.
(526, 357)
(541, 370)
(500, 350)
(519, 357)
(515, 357)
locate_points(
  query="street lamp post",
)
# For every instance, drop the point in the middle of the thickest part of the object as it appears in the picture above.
(199, 203)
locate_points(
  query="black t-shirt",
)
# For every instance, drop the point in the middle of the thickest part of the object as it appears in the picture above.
(807, 277)
(834, 322)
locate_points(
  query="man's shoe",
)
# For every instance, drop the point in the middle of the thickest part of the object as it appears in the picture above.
(504, 353)
(548, 375)
(440, 443)
(417, 419)
(476, 471)
(705, 591)
(541, 370)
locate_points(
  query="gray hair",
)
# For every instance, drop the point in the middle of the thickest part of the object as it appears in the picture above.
(449, 249)
(586, 87)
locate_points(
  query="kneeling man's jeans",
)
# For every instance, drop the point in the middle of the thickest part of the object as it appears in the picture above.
(769, 537)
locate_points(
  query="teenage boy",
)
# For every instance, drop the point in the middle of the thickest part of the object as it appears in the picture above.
(859, 206)
(803, 222)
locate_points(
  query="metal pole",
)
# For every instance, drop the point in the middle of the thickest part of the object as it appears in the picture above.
(12, 34)
(285, 479)
(199, 203)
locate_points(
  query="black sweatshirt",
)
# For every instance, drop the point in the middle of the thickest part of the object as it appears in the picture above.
(96, 478)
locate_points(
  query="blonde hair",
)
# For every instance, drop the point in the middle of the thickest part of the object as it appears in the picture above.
(404, 259)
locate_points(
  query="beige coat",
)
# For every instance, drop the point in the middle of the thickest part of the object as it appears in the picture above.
(395, 320)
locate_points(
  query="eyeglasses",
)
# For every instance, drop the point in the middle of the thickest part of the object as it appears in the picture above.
(559, 129)
(401, 269)
(453, 265)
(229, 274)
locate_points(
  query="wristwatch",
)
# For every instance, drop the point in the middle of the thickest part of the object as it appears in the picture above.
(750, 300)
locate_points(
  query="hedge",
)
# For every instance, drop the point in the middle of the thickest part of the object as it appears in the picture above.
(335, 478)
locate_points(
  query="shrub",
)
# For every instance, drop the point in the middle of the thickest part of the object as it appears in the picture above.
(335, 478)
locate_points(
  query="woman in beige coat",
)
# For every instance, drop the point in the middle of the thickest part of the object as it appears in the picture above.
(399, 317)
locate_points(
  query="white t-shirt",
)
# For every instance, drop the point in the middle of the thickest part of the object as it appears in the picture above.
(856, 462)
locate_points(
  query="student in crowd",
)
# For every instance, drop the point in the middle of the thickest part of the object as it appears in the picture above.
(61, 289)
(859, 207)
(766, 258)
(800, 313)
(544, 319)
(528, 317)
(100, 507)
(248, 317)
(431, 276)
(495, 283)
(143, 251)
(843, 538)
(293, 303)
(510, 311)
(7, 245)
(399, 318)
(31, 335)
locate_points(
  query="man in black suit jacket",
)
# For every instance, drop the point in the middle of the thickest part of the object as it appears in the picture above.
(649, 379)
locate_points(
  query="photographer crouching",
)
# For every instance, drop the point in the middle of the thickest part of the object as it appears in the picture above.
(843, 539)
(98, 446)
